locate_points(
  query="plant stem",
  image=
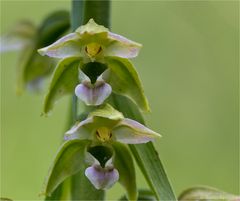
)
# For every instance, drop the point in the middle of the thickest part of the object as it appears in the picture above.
(76, 21)
(82, 11)
(77, 14)
(98, 10)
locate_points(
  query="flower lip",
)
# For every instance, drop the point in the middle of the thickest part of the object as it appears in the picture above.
(92, 94)
(98, 67)
(102, 178)
(101, 173)
(102, 154)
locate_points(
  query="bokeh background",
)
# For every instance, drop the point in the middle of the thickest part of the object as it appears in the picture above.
(189, 69)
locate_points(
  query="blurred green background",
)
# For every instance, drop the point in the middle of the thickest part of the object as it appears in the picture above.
(189, 69)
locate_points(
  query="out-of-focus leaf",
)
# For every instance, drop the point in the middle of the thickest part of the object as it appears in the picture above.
(34, 68)
(69, 160)
(205, 193)
(5, 199)
(18, 37)
(64, 81)
(145, 155)
(124, 80)
(124, 164)
(53, 27)
(142, 195)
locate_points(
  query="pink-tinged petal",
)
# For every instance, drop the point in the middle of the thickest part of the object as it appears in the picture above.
(93, 94)
(81, 130)
(102, 178)
(122, 47)
(66, 46)
(131, 132)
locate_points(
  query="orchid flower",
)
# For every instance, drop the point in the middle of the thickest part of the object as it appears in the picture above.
(92, 42)
(95, 46)
(106, 124)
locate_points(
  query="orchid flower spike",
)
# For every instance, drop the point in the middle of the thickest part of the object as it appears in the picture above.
(106, 124)
(92, 42)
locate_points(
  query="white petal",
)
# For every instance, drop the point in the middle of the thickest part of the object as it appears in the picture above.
(66, 46)
(131, 132)
(80, 130)
(122, 47)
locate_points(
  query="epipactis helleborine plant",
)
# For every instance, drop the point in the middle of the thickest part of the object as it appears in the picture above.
(98, 63)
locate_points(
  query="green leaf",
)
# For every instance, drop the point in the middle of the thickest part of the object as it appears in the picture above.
(205, 193)
(64, 81)
(69, 160)
(124, 80)
(145, 155)
(124, 164)
(142, 195)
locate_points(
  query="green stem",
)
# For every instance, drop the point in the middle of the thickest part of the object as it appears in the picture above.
(77, 14)
(76, 21)
(98, 10)
(82, 11)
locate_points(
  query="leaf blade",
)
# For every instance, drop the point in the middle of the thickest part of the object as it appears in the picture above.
(151, 167)
(123, 161)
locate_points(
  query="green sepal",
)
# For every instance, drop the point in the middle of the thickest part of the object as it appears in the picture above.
(62, 192)
(107, 111)
(68, 161)
(125, 81)
(123, 162)
(205, 193)
(64, 80)
(34, 68)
